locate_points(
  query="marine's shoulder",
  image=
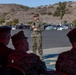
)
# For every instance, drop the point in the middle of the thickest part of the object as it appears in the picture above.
(66, 53)
(32, 54)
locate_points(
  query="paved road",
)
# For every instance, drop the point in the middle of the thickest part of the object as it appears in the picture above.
(50, 39)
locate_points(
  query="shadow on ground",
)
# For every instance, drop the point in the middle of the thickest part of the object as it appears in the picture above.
(50, 61)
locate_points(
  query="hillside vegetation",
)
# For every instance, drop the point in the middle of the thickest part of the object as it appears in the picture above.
(24, 14)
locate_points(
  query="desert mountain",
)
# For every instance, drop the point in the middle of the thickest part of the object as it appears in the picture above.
(25, 13)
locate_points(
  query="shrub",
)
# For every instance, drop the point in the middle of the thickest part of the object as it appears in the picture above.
(49, 13)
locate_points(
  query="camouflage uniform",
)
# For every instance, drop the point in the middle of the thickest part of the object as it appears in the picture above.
(37, 38)
(66, 62)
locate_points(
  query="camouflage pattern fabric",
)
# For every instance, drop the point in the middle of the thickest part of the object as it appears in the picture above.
(37, 44)
(66, 62)
(37, 37)
(39, 27)
(29, 63)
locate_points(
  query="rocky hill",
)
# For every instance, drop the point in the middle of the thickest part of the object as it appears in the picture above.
(25, 14)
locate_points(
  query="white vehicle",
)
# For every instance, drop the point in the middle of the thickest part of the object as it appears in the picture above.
(59, 27)
(13, 28)
(65, 26)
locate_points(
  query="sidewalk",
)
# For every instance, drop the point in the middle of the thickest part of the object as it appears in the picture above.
(56, 50)
(50, 56)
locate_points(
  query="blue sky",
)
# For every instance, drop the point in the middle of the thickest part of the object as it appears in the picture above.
(32, 3)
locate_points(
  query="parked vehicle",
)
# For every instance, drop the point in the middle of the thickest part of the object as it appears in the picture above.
(48, 27)
(59, 27)
(54, 27)
(13, 27)
(22, 26)
(65, 26)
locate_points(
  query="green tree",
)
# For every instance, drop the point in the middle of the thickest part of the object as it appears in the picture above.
(60, 10)
(74, 22)
(2, 21)
(65, 21)
(49, 13)
(16, 21)
(9, 23)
